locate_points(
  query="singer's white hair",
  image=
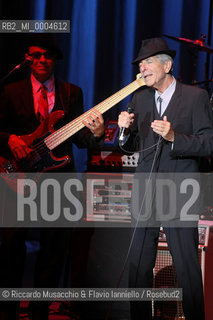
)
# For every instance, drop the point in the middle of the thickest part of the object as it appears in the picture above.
(163, 57)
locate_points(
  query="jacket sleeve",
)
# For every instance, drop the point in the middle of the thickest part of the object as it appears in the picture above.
(5, 117)
(199, 142)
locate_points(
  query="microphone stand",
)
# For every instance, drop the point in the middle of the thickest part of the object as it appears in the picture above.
(27, 61)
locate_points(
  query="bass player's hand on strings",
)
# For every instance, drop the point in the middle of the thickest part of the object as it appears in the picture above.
(95, 123)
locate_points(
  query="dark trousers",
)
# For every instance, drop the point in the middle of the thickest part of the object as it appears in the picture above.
(61, 249)
(48, 268)
(183, 246)
(12, 259)
(53, 246)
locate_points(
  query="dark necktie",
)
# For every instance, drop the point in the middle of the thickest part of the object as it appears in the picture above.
(159, 99)
(43, 108)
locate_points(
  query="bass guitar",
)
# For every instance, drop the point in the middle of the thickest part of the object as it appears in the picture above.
(44, 139)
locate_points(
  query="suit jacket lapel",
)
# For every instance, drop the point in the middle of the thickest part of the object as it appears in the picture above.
(59, 103)
(27, 94)
(148, 105)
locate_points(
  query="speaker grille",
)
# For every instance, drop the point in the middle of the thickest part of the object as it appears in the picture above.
(165, 277)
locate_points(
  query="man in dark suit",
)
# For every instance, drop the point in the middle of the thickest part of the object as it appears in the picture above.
(24, 105)
(172, 126)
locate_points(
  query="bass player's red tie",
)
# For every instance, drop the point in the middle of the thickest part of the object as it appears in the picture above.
(43, 109)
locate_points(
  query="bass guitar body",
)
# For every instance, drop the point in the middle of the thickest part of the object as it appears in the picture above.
(41, 159)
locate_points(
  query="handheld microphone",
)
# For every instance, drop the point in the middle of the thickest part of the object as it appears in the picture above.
(129, 109)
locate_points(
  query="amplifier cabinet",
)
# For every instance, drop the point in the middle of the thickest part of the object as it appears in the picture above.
(112, 161)
(165, 275)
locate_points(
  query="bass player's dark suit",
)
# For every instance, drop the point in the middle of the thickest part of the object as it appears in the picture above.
(17, 117)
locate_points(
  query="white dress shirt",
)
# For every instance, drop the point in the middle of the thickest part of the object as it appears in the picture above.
(165, 96)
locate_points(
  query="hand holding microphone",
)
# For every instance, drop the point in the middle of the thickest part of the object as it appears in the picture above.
(125, 120)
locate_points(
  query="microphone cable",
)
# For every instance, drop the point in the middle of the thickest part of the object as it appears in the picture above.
(141, 150)
(136, 225)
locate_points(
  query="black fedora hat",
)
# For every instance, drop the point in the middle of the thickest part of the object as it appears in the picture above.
(44, 41)
(152, 47)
